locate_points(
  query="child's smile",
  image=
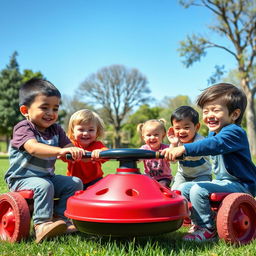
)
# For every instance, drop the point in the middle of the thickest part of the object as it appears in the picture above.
(85, 134)
(185, 130)
(153, 136)
(216, 115)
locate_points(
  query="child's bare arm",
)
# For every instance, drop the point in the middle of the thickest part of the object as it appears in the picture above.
(38, 149)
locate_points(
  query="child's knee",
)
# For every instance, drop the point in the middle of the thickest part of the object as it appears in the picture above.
(78, 184)
(198, 191)
(44, 187)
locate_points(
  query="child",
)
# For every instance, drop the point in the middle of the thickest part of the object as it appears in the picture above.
(36, 143)
(185, 125)
(223, 107)
(153, 132)
(84, 130)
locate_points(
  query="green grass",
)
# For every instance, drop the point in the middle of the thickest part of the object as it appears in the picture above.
(87, 245)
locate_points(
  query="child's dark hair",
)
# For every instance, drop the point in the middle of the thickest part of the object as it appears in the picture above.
(231, 96)
(185, 112)
(34, 87)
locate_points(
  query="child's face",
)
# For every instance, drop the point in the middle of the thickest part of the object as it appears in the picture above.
(185, 130)
(43, 112)
(216, 115)
(153, 136)
(85, 134)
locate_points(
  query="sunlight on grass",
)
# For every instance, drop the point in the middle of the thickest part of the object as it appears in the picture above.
(82, 244)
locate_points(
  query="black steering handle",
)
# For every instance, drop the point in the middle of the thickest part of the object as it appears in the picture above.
(124, 153)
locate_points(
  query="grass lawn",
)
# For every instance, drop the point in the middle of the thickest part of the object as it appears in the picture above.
(87, 245)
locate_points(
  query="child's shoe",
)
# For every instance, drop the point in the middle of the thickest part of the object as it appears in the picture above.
(71, 228)
(193, 228)
(49, 229)
(201, 235)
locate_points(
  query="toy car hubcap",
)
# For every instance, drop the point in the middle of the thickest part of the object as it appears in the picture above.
(7, 225)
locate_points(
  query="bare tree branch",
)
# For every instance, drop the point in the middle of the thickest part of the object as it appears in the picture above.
(117, 90)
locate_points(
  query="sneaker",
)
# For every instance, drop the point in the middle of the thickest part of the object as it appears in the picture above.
(49, 229)
(193, 228)
(201, 235)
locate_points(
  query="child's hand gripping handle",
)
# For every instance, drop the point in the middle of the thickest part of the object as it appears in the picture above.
(86, 155)
(158, 155)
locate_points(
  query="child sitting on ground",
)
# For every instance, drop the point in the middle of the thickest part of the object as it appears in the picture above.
(185, 126)
(223, 107)
(84, 130)
(153, 132)
(36, 143)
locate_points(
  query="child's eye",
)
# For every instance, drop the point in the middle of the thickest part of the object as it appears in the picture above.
(55, 109)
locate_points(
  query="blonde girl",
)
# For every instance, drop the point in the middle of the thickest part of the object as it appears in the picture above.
(84, 130)
(152, 132)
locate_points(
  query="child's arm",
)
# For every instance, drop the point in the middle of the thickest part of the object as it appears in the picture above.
(35, 148)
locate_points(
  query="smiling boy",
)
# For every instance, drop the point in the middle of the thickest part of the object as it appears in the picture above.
(223, 107)
(185, 126)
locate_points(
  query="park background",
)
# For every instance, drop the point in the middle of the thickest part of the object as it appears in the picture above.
(136, 43)
(71, 42)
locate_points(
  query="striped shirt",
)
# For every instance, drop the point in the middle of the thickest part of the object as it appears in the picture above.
(192, 167)
(22, 164)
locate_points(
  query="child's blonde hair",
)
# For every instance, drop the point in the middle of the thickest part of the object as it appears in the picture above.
(160, 122)
(85, 116)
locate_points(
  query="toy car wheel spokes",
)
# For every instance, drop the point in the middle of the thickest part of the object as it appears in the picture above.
(236, 219)
(14, 217)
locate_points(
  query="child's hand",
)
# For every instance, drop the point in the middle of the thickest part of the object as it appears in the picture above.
(77, 153)
(96, 153)
(172, 153)
(172, 138)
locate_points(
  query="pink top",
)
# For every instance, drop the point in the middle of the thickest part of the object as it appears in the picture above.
(157, 168)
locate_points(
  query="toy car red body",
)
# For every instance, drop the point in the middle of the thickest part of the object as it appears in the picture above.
(129, 203)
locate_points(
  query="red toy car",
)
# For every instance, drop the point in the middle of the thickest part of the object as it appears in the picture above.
(128, 203)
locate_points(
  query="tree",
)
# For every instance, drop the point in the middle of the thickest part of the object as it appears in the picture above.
(169, 104)
(117, 90)
(70, 105)
(236, 21)
(10, 81)
(29, 74)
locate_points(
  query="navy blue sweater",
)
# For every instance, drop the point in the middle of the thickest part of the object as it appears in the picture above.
(232, 143)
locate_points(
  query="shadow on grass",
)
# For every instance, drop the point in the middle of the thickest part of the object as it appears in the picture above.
(170, 243)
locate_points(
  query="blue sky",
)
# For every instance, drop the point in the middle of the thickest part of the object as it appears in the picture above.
(68, 40)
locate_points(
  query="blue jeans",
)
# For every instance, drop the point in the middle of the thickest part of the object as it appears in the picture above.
(198, 194)
(45, 190)
(180, 179)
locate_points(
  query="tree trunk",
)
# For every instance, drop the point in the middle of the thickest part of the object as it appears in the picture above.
(7, 140)
(251, 123)
(117, 141)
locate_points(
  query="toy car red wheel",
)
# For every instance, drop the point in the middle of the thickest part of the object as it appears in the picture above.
(14, 217)
(236, 218)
